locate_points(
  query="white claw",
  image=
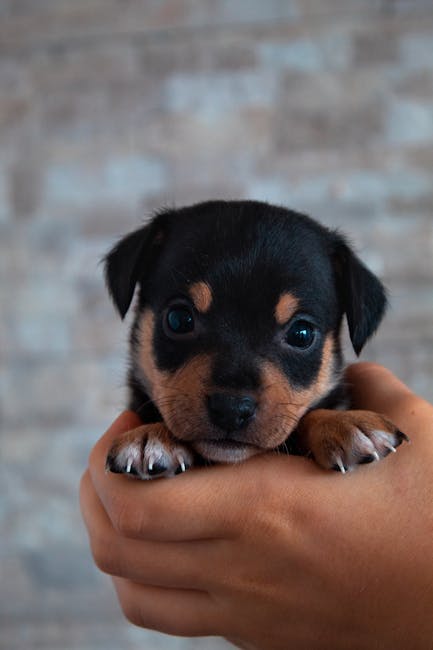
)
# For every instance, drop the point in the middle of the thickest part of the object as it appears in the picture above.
(182, 465)
(150, 465)
(376, 455)
(390, 447)
(129, 465)
(341, 466)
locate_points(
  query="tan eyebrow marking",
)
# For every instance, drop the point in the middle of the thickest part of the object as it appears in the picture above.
(286, 307)
(201, 295)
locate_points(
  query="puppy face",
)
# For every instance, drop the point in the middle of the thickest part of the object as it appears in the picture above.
(236, 333)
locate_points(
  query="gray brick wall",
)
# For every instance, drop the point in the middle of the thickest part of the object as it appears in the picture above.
(110, 109)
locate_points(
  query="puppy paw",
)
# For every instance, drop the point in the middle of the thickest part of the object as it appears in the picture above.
(148, 452)
(340, 440)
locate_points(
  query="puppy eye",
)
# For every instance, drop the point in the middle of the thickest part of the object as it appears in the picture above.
(301, 334)
(179, 320)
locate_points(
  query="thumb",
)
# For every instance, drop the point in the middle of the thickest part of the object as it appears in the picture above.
(124, 422)
(375, 388)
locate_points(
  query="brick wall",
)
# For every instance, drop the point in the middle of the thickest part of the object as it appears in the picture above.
(109, 109)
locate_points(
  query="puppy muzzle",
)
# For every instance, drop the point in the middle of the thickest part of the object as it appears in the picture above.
(230, 415)
(230, 412)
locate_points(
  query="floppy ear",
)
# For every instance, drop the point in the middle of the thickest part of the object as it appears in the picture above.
(128, 263)
(363, 295)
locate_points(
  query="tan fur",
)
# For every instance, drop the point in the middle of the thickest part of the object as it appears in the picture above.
(146, 362)
(284, 405)
(344, 436)
(181, 396)
(138, 436)
(286, 308)
(185, 393)
(201, 295)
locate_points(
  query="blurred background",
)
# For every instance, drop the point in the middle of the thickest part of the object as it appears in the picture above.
(112, 108)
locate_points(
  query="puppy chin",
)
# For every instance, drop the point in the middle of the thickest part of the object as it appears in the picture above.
(225, 451)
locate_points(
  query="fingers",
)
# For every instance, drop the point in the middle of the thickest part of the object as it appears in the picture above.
(198, 507)
(126, 421)
(181, 612)
(376, 388)
(168, 510)
(164, 564)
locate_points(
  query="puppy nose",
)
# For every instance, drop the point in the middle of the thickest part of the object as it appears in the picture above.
(230, 412)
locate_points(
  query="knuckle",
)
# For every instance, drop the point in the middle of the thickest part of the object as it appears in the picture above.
(130, 521)
(142, 610)
(124, 519)
(103, 556)
(172, 623)
(132, 612)
(185, 628)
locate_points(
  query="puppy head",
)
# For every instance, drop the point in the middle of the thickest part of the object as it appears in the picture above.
(238, 313)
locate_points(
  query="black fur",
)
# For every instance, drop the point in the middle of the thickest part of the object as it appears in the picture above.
(249, 253)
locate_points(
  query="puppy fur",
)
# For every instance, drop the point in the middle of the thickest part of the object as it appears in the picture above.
(235, 342)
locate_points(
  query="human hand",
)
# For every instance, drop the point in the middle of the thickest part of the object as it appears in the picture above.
(276, 553)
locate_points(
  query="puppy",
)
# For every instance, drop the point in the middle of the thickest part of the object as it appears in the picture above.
(235, 343)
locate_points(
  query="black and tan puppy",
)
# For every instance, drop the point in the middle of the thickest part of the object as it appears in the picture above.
(235, 346)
